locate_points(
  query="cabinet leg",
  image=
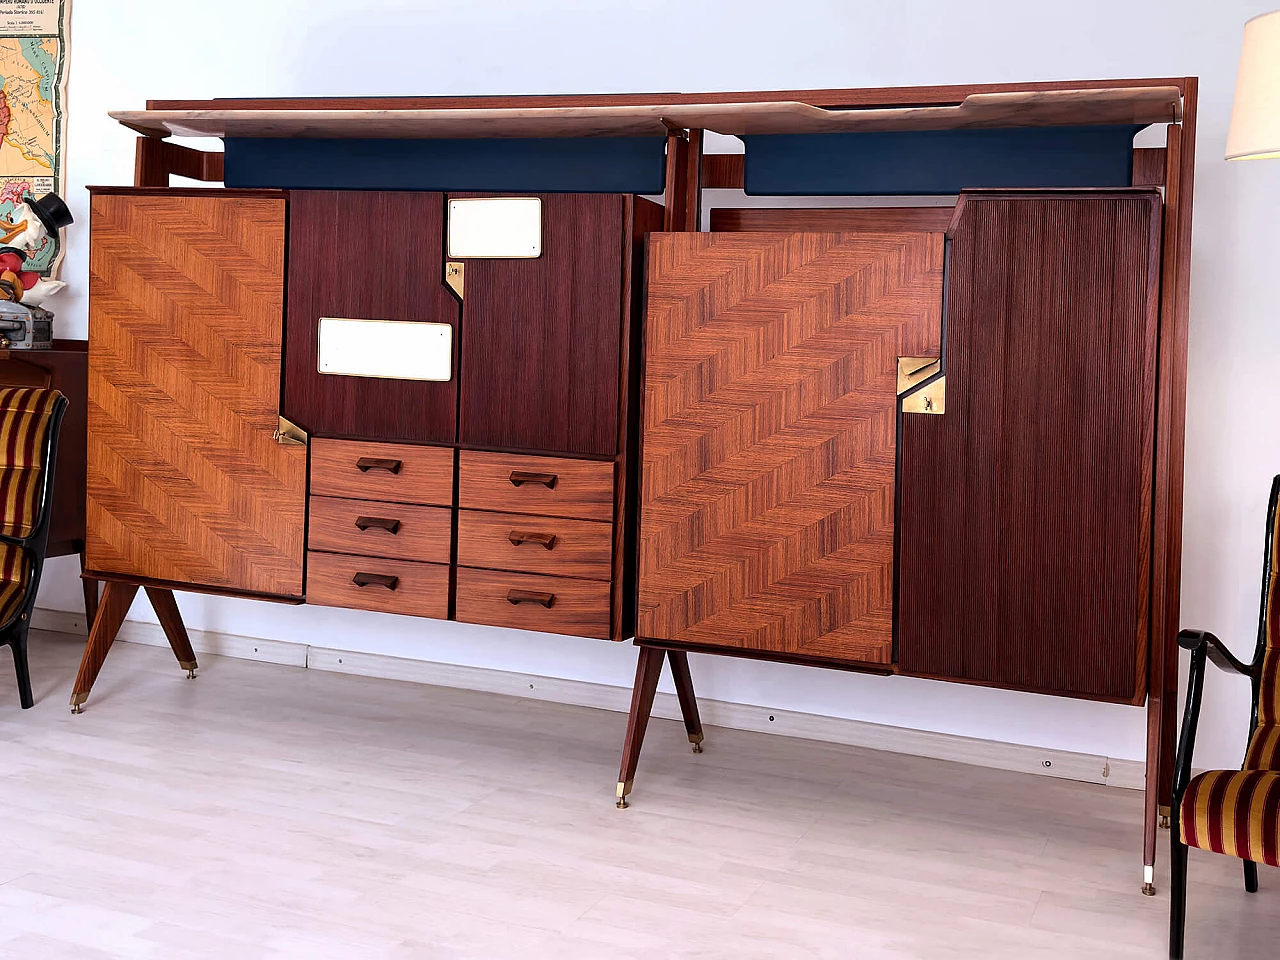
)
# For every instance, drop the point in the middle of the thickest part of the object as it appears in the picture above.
(90, 588)
(648, 669)
(1168, 727)
(116, 600)
(171, 621)
(1151, 789)
(679, 661)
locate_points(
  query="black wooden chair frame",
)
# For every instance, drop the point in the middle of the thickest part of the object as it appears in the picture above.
(1205, 646)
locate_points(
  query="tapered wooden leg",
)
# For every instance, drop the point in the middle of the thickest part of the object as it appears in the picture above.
(171, 620)
(1151, 791)
(679, 661)
(1168, 728)
(18, 644)
(116, 600)
(1177, 894)
(90, 588)
(1250, 877)
(648, 669)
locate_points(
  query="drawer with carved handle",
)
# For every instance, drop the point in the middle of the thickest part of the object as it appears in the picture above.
(375, 583)
(397, 472)
(533, 602)
(375, 528)
(554, 545)
(547, 486)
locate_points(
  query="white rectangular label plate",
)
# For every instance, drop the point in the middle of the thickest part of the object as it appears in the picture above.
(498, 228)
(391, 349)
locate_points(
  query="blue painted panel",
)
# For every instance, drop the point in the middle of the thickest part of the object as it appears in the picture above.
(938, 161)
(564, 165)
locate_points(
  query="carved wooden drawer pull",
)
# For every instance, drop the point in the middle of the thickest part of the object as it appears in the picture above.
(531, 596)
(548, 540)
(365, 464)
(518, 477)
(378, 523)
(375, 580)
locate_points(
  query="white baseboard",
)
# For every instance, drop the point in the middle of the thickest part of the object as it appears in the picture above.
(996, 754)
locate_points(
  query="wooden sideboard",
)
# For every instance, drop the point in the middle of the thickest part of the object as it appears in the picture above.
(936, 438)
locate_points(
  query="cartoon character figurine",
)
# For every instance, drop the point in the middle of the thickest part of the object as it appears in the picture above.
(21, 237)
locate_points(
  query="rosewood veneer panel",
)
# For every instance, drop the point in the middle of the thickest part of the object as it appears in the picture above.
(1026, 510)
(375, 256)
(542, 337)
(185, 481)
(770, 436)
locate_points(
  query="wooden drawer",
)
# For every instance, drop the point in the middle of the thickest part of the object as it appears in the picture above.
(398, 472)
(530, 602)
(553, 545)
(373, 528)
(548, 486)
(419, 590)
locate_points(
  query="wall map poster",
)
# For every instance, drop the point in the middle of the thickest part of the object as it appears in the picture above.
(33, 98)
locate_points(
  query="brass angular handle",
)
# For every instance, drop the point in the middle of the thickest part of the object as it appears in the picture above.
(518, 477)
(289, 434)
(378, 523)
(548, 540)
(531, 596)
(375, 580)
(365, 464)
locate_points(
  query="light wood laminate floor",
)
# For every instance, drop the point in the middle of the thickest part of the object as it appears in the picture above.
(268, 811)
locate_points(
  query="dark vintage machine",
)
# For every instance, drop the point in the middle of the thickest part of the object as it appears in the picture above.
(25, 328)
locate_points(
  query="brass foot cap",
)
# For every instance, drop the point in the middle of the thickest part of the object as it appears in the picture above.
(1164, 823)
(697, 748)
(77, 708)
(622, 803)
(1148, 889)
(191, 674)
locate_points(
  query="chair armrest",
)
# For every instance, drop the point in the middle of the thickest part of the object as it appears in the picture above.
(1217, 651)
(21, 542)
(1190, 716)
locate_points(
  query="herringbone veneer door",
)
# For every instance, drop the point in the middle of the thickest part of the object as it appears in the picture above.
(770, 435)
(185, 481)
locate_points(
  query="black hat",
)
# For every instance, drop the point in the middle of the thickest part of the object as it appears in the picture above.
(53, 213)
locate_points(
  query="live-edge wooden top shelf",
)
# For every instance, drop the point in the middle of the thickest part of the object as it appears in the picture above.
(1033, 108)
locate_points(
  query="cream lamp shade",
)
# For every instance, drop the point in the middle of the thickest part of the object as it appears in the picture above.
(1255, 118)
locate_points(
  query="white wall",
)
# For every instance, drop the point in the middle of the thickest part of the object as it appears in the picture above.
(125, 53)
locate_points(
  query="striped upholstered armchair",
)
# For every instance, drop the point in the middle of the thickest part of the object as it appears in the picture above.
(30, 418)
(1236, 812)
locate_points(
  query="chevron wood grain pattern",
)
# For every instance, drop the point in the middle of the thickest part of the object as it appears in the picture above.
(185, 482)
(770, 436)
(1025, 525)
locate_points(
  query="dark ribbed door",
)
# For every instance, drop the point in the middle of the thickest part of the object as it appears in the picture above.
(366, 255)
(541, 337)
(1025, 510)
